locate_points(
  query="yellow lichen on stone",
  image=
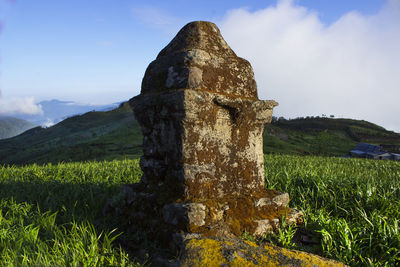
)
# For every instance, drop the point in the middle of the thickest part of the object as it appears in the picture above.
(204, 252)
(306, 259)
(251, 243)
(241, 262)
(238, 253)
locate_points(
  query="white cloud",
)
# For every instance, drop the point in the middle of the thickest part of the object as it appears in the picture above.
(349, 68)
(48, 123)
(14, 106)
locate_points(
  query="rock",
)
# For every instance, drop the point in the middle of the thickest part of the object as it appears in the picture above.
(181, 238)
(263, 202)
(294, 216)
(201, 119)
(202, 125)
(199, 58)
(236, 252)
(281, 200)
(263, 227)
(275, 223)
(191, 213)
(162, 262)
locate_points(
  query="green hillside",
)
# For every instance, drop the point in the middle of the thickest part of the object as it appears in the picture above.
(10, 126)
(116, 134)
(91, 136)
(324, 136)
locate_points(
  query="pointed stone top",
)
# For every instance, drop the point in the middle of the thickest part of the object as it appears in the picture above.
(202, 35)
(198, 58)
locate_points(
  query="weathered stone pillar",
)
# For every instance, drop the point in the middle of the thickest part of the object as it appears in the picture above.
(202, 125)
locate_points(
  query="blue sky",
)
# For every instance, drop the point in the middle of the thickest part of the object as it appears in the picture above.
(312, 56)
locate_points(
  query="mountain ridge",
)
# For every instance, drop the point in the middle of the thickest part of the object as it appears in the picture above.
(10, 126)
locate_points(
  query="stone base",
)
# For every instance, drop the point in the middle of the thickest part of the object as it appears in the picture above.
(232, 216)
(202, 229)
(223, 217)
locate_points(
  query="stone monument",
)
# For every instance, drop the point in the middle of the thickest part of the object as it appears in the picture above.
(202, 125)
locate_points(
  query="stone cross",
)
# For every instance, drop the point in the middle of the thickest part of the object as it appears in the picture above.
(202, 125)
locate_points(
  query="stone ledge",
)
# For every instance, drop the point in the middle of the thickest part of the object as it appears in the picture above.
(236, 252)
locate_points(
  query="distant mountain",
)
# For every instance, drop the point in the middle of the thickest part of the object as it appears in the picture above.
(116, 134)
(10, 126)
(55, 111)
(99, 135)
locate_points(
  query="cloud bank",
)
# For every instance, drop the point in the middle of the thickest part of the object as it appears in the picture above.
(350, 68)
(19, 106)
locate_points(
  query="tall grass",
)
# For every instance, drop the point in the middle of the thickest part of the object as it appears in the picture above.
(52, 214)
(351, 206)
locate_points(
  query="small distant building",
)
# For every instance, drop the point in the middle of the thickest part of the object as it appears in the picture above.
(364, 150)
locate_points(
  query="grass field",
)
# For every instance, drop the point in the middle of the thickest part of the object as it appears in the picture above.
(52, 214)
(351, 206)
